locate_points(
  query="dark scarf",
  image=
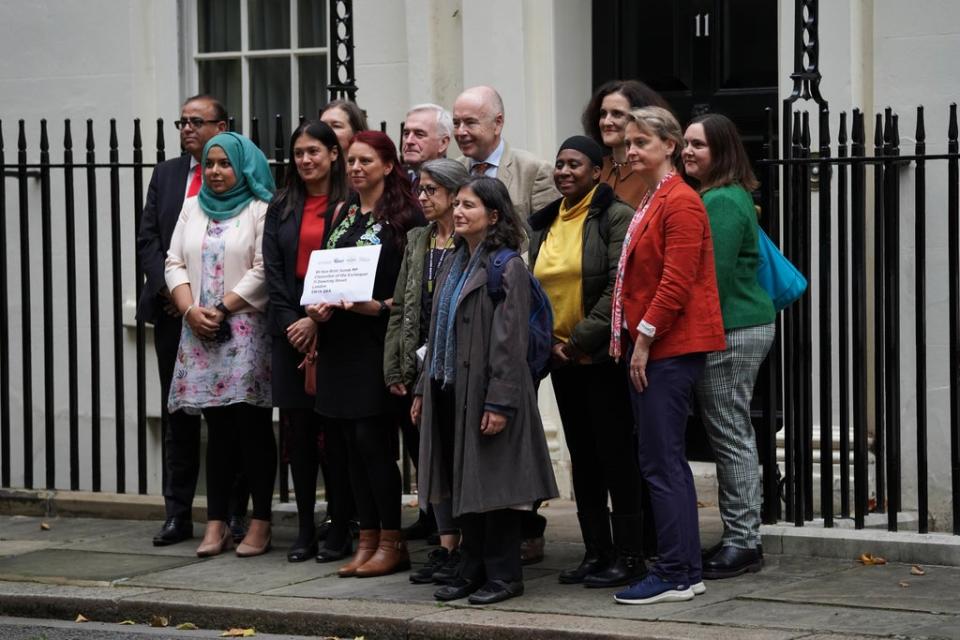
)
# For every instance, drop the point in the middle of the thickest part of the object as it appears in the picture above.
(444, 340)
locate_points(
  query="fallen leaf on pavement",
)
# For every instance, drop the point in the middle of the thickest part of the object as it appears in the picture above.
(159, 621)
(904, 584)
(917, 570)
(870, 559)
(44, 526)
(238, 632)
(186, 626)
(81, 618)
(126, 622)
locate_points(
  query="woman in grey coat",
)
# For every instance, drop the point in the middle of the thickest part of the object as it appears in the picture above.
(482, 441)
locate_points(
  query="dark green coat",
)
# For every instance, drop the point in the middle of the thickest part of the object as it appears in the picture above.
(603, 232)
(403, 331)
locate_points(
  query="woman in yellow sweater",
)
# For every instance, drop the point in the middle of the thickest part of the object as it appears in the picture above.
(574, 248)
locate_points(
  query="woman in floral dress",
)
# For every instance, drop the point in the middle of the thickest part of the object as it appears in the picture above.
(215, 273)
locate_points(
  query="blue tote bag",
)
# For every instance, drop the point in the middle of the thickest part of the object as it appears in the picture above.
(779, 278)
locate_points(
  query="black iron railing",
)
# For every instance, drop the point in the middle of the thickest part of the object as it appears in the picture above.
(788, 184)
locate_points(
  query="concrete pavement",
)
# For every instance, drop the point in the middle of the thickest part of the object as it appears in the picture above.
(109, 571)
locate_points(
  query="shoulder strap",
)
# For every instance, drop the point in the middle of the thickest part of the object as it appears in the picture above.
(496, 264)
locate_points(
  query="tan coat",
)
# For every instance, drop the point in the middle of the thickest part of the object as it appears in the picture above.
(513, 467)
(242, 261)
(528, 179)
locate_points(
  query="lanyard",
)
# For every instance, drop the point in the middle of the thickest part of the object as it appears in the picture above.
(431, 268)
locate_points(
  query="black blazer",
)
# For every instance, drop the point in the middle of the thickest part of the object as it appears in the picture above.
(160, 214)
(281, 239)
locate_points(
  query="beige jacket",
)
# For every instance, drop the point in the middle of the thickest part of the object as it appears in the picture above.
(528, 179)
(242, 264)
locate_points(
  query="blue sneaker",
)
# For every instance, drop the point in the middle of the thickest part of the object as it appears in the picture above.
(653, 589)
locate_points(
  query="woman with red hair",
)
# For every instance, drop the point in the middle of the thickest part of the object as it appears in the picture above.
(358, 410)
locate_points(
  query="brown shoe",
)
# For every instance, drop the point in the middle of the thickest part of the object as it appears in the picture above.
(216, 539)
(257, 540)
(366, 548)
(391, 556)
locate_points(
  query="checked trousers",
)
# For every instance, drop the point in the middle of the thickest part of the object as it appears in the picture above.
(723, 394)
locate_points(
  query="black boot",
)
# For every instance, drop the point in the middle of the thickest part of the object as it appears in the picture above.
(628, 566)
(595, 529)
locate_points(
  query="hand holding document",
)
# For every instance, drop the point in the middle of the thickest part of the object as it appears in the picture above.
(335, 275)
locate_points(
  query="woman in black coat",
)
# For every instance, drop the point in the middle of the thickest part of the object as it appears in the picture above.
(295, 226)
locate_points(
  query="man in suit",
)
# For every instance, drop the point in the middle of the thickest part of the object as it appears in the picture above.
(427, 130)
(201, 118)
(477, 124)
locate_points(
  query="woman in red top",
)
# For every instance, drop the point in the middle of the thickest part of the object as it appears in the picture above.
(295, 225)
(665, 317)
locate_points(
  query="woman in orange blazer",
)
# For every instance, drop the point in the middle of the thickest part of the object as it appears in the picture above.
(665, 318)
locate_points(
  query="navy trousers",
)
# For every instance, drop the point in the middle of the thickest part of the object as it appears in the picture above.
(661, 412)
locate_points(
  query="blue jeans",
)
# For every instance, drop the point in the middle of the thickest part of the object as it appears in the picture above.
(660, 412)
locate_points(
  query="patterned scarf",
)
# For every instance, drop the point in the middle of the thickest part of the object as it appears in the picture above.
(616, 311)
(444, 340)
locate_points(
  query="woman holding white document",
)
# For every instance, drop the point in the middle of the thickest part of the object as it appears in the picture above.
(350, 393)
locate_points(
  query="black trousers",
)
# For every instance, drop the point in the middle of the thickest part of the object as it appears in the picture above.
(594, 405)
(304, 430)
(490, 545)
(371, 457)
(181, 435)
(240, 435)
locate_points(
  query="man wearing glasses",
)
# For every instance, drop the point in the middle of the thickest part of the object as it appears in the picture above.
(201, 118)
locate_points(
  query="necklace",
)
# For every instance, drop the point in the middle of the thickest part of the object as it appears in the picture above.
(432, 268)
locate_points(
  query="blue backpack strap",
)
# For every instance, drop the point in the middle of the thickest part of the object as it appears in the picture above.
(497, 264)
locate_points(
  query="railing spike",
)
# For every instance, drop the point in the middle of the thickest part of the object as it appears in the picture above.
(878, 131)
(67, 135)
(255, 130)
(278, 137)
(842, 135)
(952, 128)
(114, 143)
(824, 128)
(796, 129)
(161, 144)
(44, 140)
(805, 136)
(137, 141)
(90, 142)
(888, 126)
(895, 131)
(858, 132)
(231, 124)
(921, 133)
(22, 136)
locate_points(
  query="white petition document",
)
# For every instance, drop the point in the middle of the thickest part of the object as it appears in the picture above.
(341, 274)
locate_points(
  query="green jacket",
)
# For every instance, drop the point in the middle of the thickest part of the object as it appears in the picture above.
(403, 330)
(603, 231)
(733, 223)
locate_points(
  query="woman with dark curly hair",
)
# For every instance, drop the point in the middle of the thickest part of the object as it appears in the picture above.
(351, 395)
(605, 119)
(482, 441)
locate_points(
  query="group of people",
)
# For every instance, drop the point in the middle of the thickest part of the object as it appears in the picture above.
(642, 237)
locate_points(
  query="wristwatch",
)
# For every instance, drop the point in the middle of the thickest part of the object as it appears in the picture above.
(222, 308)
(384, 308)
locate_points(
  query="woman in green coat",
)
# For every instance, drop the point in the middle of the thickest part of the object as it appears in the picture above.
(428, 248)
(714, 156)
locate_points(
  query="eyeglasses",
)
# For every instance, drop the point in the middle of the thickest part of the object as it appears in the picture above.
(196, 123)
(429, 189)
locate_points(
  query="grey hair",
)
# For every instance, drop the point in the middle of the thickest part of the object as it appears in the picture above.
(444, 119)
(661, 123)
(449, 174)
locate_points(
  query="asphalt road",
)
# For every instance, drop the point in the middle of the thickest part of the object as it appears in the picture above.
(34, 629)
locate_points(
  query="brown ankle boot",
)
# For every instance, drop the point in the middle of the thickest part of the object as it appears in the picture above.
(391, 556)
(366, 548)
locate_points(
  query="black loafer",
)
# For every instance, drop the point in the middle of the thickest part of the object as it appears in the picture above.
(238, 530)
(732, 561)
(326, 554)
(496, 591)
(174, 530)
(302, 553)
(459, 588)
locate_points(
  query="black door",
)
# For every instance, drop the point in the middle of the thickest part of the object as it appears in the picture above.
(701, 55)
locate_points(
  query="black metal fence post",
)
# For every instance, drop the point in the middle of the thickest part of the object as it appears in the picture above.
(4, 333)
(858, 206)
(26, 324)
(879, 317)
(892, 320)
(920, 311)
(953, 251)
(141, 336)
(116, 277)
(46, 236)
(70, 226)
(843, 269)
(825, 301)
(94, 279)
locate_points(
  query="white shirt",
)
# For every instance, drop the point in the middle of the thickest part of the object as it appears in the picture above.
(493, 160)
